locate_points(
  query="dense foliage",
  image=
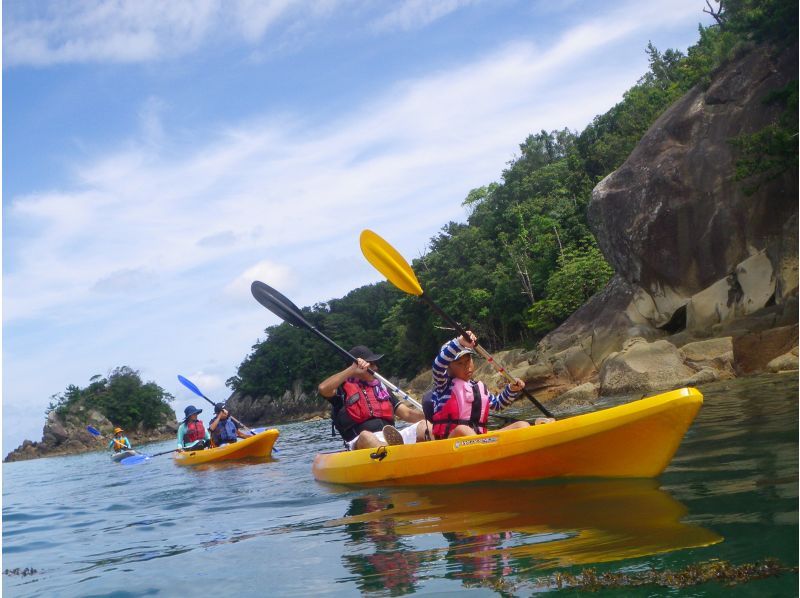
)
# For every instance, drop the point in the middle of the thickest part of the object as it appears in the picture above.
(526, 259)
(122, 397)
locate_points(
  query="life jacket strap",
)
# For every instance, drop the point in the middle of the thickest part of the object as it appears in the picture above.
(475, 416)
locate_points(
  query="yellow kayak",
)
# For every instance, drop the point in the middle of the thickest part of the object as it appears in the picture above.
(635, 440)
(259, 445)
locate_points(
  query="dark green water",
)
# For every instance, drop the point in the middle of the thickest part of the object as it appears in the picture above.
(88, 527)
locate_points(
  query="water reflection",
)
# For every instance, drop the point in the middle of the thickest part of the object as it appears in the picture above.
(491, 531)
(390, 564)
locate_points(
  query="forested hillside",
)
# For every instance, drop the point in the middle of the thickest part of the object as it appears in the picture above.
(526, 259)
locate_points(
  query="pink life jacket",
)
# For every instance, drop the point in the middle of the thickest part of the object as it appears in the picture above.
(462, 409)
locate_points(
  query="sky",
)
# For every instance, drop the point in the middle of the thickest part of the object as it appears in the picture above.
(160, 156)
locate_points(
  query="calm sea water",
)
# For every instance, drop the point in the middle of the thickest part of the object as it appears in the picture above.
(84, 526)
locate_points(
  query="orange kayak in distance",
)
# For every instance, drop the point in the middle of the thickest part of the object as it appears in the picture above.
(259, 445)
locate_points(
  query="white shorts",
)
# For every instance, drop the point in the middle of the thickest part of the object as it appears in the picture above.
(409, 434)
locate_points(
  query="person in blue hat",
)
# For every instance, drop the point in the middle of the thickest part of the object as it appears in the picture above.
(192, 435)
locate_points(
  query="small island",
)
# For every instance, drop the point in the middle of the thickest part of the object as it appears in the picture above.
(119, 399)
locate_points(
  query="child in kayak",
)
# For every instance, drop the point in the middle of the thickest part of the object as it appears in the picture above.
(119, 442)
(191, 433)
(363, 410)
(460, 404)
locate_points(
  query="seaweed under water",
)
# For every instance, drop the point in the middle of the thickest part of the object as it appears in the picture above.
(692, 575)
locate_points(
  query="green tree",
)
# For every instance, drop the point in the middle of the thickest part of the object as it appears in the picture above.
(581, 274)
(122, 397)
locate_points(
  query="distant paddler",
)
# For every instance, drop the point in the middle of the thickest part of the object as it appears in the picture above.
(119, 442)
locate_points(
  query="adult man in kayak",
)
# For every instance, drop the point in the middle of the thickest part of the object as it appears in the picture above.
(223, 428)
(191, 433)
(119, 442)
(363, 410)
(460, 404)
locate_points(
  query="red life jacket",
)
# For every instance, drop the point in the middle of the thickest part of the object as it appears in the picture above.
(194, 432)
(468, 405)
(360, 407)
(363, 402)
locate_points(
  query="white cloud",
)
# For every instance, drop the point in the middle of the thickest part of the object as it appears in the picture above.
(136, 31)
(105, 30)
(278, 275)
(414, 14)
(254, 17)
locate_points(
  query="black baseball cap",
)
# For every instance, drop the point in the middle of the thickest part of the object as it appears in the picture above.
(365, 353)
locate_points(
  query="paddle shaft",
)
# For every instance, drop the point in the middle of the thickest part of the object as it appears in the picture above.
(163, 453)
(141, 457)
(481, 351)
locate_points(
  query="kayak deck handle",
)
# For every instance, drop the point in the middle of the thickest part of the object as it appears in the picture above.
(379, 454)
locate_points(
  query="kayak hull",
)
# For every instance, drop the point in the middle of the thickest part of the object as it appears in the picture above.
(256, 446)
(635, 440)
(117, 457)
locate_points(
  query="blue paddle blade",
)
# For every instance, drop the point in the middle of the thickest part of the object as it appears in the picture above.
(93, 431)
(188, 384)
(134, 460)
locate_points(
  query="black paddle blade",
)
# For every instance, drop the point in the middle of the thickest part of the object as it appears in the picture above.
(278, 304)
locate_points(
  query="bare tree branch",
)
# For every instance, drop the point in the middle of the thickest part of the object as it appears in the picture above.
(719, 17)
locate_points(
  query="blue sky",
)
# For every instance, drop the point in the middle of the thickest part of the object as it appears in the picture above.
(160, 156)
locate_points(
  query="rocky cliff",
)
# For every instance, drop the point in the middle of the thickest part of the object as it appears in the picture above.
(293, 405)
(706, 280)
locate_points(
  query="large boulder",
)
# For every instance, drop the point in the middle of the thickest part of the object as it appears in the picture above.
(783, 363)
(715, 353)
(644, 367)
(753, 352)
(672, 219)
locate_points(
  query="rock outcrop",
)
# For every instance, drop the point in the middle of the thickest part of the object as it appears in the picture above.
(294, 404)
(696, 257)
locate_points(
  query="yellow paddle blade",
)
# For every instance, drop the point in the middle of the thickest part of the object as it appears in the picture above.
(389, 263)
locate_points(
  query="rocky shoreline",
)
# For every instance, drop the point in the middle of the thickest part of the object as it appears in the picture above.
(563, 381)
(66, 434)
